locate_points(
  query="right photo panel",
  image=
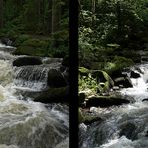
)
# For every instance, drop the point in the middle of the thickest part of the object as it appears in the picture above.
(113, 74)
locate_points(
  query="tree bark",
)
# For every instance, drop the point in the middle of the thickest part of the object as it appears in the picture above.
(1, 14)
(56, 15)
(119, 18)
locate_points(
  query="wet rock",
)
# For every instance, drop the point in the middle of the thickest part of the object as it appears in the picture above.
(134, 74)
(105, 101)
(44, 75)
(116, 88)
(51, 95)
(144, 58)
(52, 60)
(128, 130)
(146, 134)
(126, 82)
(82, 97)
(65, 61)
(83, 71)
(56, 79)
(105, 82)
(145, 100)
(6, 41)
(26, 60)
(86, 117)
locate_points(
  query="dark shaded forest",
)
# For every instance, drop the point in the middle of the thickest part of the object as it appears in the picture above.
(36, 27)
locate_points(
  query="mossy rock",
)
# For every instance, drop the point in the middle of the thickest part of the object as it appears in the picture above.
(105, 82)
(51, 95)
(35, 43)
(31, 46)
(27, 60)
(80, 116)
(87, 118)
(83, 71)
(97, 65)
(115, 66)
(82, 97)
(29, 50)
(105, 101)
(20, 39)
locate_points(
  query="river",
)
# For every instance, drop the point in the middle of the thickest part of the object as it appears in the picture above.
(124, 126)
(23, 122)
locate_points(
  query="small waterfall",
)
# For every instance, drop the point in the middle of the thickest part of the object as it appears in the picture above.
(122, 126)
(33, 77)
(28, 124)
(6, 72)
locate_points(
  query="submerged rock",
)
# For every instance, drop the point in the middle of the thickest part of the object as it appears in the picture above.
(51, 95)
(56, 79)
(27, 60)
(128, 130)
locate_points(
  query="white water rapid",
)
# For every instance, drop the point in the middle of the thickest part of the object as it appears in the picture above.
(125, 126)
(28, 124)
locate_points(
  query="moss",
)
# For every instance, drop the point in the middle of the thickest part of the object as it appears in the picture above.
(35, 43)
(28, 50)
(20, 39)
(117, 64)
(105, 101)
(80, 116)
(83, 71)
(105, 82)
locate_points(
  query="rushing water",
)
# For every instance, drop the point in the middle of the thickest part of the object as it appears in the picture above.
(125, 126)
(28, 124)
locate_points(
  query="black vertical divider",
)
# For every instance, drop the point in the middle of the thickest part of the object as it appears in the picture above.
(73, 51)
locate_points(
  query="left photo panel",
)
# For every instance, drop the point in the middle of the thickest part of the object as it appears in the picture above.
(34, 73)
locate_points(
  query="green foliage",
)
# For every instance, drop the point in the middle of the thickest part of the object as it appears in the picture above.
(21, 38)
(88, 83)
(30, 23)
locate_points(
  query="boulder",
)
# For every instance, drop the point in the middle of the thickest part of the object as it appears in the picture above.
(27, 60)
(105, 101)
(48, 75)
(6, 41)
(144, 58)
(134, 74)
(86, 117)
(83, 71)
(104, 81)
(50, 95)
(126, 82)
(56, 79)
(52, 60)
(82, 97)
(128, 130)
(145, 100)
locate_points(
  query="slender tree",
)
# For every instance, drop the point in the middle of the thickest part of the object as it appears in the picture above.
(56, 15)
(1, 14)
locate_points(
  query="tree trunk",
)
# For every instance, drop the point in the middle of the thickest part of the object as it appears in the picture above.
(56, 15)
(93, 11)
(119, 18)
(1, 14)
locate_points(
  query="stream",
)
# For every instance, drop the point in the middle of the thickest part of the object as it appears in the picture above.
(23, 122)
(124, 126)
